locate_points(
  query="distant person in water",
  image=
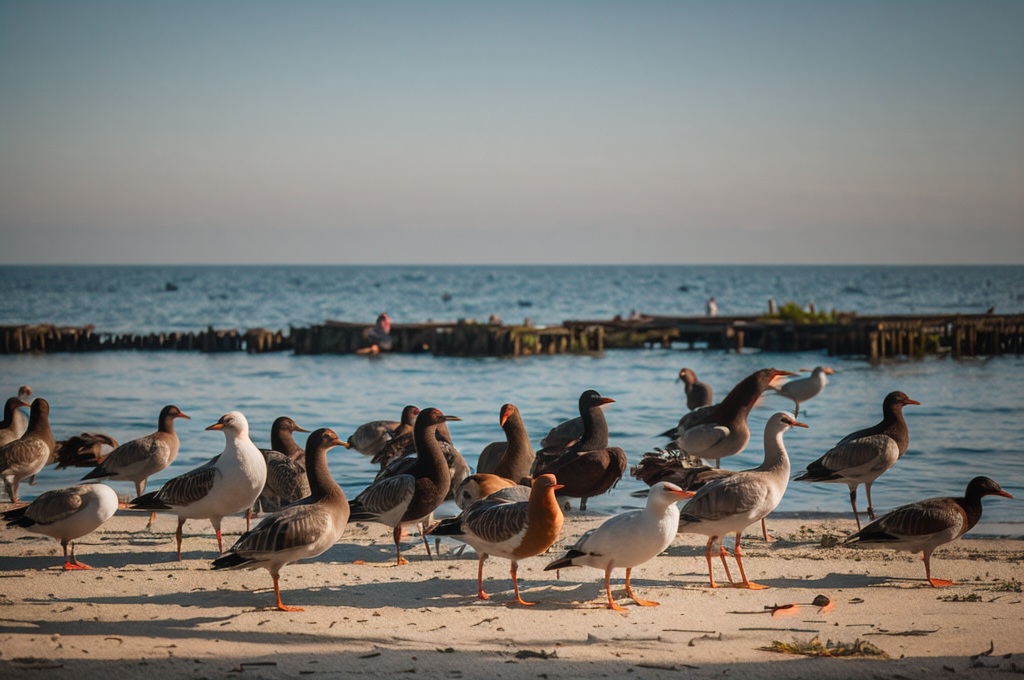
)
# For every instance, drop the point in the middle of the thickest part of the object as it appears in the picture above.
(379, 336)
(712, 307)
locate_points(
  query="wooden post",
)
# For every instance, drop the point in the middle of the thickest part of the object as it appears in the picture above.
(873, 345)
(739, 342)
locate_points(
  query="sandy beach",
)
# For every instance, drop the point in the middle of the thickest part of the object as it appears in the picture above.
(139, 613)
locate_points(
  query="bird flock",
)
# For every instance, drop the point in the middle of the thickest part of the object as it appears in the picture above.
(512, 507)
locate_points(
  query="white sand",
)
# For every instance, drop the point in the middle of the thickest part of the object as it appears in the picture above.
(140, 613)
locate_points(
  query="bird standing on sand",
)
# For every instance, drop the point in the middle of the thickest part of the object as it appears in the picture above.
(141, 458)
(302, 530)
(411, 496)
(66, 514)
(802, 389)
(28, 455)
(731, 504)
(697, 393)
(589, 467)
(862, 457)
(925, 525)
(628, 539)
(226, 485)
(515, 531)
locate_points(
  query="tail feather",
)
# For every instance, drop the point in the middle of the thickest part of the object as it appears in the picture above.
(97, 473)
(447, 527)
(17, 518)
(357, 513)
(565, 561)
(149, 501)
(671, 434)
(231, 561)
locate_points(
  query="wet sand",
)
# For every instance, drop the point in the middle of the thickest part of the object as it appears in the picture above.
(140, 613)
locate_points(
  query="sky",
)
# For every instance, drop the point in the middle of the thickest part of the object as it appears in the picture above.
(511, 132)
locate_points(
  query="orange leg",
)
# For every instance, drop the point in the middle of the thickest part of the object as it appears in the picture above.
(629, 591)
(152, 520)
(515, 584)
(398, 545)
(707, 554)
(764, 532)
(936, 582)
(749, 585)
(177, 536)
(73, 563)
(280, 605)
(480, 577)
(723, 554)
(220, 543)
(248, 521)
(608, 589)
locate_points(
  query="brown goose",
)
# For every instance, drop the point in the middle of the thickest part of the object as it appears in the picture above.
(925, 525)
(286, 466)
(411, 496)
(141, 458)
(512, 458)
(697, 393)
(399, 456)
(501, 464)
(862, 457)
(86, 450)
(370, 438)
(589, 467)
(9, 430)
(715, 432)
(514, 531)
(302, 530)
(28, 455)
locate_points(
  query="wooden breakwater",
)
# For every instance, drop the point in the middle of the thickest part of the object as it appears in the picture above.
(871, 337)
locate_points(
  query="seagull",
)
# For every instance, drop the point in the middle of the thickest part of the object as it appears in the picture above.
(862, 457)
(141, 458)
(514, 531)
(302, 530)
(28, 455)
(412, 495)
(628, 539)
(226, 485)
(925, 525)
(66, 514)
(802, 389)
(733, 503)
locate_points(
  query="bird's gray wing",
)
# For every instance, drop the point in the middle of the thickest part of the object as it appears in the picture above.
(53, 506)
(731, 495)
(190, 487)
(386, 494)
(295, 526)
(496, 521)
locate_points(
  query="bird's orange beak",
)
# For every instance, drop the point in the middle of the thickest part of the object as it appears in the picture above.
(1003, 493)
(683, 493)
(299, 429)
(605, 400)
(182, 415)
(216, 426)
(911, 401)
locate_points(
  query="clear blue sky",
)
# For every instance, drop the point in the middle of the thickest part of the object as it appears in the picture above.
(404, 132)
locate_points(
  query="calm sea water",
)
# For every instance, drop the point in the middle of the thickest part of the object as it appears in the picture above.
(971, 420)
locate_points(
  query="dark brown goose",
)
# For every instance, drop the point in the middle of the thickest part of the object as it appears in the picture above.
(589, 467)
(697, 393)
(862, 457)
(369, 438)
(925, 525)
(409, 497)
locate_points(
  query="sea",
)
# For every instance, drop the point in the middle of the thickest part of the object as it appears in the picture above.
(970, 421)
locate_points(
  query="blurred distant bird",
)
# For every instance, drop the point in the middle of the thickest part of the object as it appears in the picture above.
(802, 389)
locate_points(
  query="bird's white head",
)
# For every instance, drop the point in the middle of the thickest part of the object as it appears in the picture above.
(233, 423)
(665, 493)
(782, 422)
